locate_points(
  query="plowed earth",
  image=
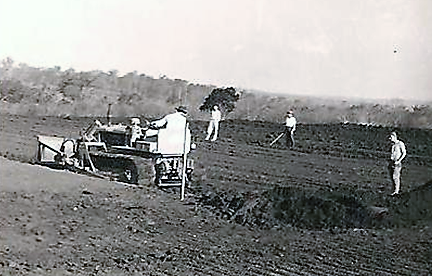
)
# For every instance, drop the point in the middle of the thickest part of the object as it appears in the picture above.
(322, 208)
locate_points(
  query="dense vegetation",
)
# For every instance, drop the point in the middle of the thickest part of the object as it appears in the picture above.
(27, 90)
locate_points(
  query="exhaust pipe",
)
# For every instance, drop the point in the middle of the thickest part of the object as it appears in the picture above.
(109, 114)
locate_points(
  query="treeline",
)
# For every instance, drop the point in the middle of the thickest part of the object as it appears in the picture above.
(319, 110)
(28, 90)
(51, 91)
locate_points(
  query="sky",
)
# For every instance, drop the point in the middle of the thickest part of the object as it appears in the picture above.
(349, 48)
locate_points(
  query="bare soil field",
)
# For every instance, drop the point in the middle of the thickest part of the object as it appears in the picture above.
(322, 208)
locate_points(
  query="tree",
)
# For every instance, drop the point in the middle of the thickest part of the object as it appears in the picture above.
(6, 68)
(13, 91)
(72, 84)
(225, 98)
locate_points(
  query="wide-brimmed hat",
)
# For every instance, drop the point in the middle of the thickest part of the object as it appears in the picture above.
(181, 109)
(135, 121)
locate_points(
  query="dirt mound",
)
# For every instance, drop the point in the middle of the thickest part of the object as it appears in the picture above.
(289, 206)
(319, 209)
(413, 207)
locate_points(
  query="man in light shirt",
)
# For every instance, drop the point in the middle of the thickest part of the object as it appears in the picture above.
(290, 127)
(172, 132)
(136, 131)
(398, 153)
(214, 123)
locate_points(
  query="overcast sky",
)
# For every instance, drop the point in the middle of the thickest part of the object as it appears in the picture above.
(362, 48)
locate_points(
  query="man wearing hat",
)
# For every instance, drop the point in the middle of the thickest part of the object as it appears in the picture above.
(136, 132)
(172, 132)
(398, 153)
(290, 127)
(177, 119)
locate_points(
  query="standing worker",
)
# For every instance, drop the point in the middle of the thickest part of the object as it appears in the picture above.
(398, 153)
(172, 132)
(214, 123)
(290, 127)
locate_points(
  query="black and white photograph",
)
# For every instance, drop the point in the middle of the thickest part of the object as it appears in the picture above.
(229, 137)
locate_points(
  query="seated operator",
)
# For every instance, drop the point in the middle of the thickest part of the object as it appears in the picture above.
(136, 132)
(172, 132)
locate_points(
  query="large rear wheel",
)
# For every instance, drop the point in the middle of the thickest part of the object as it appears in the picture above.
(129, 174)
(160, 169)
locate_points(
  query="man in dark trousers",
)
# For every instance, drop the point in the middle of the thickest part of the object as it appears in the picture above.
(290, 127)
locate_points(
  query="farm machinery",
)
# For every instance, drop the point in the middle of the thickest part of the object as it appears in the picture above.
(132, 154)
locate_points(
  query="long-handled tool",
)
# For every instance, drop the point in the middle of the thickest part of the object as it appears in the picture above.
(277, 138)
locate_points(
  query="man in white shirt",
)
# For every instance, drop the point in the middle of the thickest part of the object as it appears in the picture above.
(214, 123)
(172, 132)
(398, 153)
(290, 127)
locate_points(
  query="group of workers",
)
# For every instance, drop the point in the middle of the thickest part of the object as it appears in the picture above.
(398, 150)
(178, 120)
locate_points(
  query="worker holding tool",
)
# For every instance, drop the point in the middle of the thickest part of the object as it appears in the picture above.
(290, 127)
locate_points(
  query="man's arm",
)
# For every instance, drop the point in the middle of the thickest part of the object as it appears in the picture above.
(403, 151)
(294, 126)
(159, 123)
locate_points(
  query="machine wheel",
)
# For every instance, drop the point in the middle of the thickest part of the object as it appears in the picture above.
(129, 174)
(160, 169)
(189, 173)
(122, 169)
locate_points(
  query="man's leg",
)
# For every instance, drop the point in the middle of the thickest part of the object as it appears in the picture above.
(390, 168)
(216, 129)
(287, 137)
(292, 139)
(209, 129)
(396, 178)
